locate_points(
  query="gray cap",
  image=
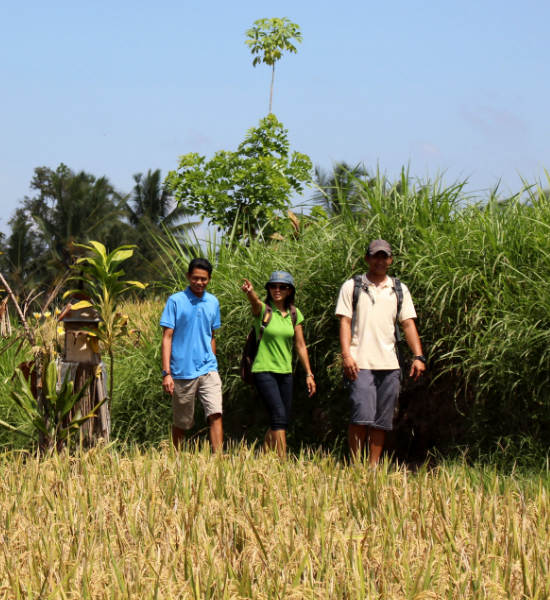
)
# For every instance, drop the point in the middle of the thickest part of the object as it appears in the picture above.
(379, 246)
(281, 277)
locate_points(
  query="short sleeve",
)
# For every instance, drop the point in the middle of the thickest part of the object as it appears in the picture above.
(168, 317)
(259, 317)
(407, 308)
(299, 317)
(217, 317)
(344, 304)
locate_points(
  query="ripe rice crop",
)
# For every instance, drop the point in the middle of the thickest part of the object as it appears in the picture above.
(161, 524)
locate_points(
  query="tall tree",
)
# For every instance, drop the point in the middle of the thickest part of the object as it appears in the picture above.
(339, 190)
(152, 204)
(268, 39)
(240, 191)
(24, 251)
(72, 207)
(153, 213)
(67, 208)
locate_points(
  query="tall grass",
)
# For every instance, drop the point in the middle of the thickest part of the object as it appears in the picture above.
(479, 273)
(160, 524)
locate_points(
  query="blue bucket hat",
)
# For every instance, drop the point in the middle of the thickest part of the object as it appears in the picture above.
(281, 277)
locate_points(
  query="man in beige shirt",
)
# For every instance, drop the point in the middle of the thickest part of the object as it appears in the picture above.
(367, 338)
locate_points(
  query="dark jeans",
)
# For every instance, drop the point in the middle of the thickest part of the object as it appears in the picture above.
(276, 391)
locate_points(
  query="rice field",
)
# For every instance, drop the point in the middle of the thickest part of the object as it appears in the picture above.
(160, 524)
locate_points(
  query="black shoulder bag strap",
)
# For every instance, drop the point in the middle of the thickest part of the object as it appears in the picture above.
(265, 322)
(360, 282)
(398, 288)
(357, 285)
(293, 314)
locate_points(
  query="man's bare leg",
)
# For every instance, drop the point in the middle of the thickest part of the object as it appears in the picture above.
(178, 437)
(357, 436)
(376, 445)
(216, 432)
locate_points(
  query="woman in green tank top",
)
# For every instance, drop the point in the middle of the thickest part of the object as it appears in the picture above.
(272, 367)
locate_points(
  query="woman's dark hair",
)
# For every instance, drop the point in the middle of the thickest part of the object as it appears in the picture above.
(200, 263)
(288, 300)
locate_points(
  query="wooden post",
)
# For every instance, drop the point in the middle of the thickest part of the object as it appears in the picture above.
(81, 362)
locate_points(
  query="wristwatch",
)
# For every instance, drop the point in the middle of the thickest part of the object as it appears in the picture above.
(420, 357)
(164, 373)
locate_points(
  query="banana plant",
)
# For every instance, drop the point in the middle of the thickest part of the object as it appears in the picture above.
(48, 422)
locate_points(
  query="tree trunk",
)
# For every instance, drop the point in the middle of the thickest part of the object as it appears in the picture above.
(271, 90)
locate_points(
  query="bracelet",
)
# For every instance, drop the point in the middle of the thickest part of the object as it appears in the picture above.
(309, 375)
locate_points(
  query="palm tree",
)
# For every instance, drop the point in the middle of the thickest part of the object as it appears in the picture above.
(268, 39)
(152, 204)
(154, 215)
(339, 191)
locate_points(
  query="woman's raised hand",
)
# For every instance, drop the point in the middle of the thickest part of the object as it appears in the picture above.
(247, 287)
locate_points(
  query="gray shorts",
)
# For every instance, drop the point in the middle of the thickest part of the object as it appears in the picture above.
(207, 387)
(373, 395)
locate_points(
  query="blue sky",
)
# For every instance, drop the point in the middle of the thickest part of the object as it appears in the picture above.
(118, 87)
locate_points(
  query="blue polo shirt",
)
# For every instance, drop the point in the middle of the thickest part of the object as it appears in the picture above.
(192, 319)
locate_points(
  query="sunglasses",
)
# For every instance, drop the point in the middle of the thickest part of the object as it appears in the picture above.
(278, 286)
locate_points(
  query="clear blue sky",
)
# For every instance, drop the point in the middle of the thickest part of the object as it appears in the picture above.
(117, 87)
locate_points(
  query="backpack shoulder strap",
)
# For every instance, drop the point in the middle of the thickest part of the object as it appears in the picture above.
(293, 315)
(268, 312)
(357, 285)
(398, 288)
(267, 315)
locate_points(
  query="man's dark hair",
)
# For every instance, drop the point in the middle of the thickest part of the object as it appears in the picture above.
(200, 263)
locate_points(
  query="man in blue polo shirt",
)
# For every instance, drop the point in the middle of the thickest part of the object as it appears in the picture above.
(189, 365)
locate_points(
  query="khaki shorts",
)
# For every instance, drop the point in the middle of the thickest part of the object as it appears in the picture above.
(207, 387)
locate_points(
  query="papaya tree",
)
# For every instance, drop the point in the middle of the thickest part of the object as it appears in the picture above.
(268, 39)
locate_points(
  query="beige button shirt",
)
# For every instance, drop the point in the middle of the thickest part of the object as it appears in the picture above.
(372, 328)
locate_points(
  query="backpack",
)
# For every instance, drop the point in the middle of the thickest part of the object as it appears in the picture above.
(398, 288)
(252, 344)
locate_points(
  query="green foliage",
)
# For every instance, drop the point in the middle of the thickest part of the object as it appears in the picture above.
(340, 190)
(48, 420)
(479, 277)
(479, 274)
(22, 249)
(241, 191)
(102, 280)
(137, 376)
(12, 353)
(66, 208)
(152, 211)
(72, 207)
(268, 39)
